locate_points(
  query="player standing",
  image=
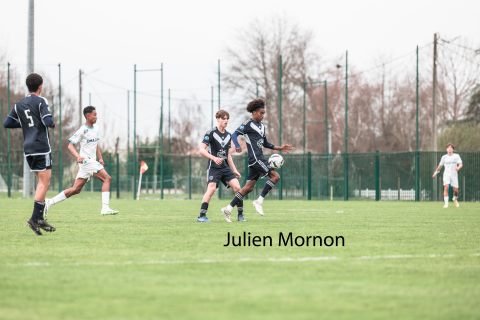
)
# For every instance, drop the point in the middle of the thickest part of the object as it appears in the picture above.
(88, 135)
(32, 114)
(254, 132)
(452, 163)
(220, 165)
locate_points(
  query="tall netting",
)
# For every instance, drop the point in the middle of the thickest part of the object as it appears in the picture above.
(369, 176)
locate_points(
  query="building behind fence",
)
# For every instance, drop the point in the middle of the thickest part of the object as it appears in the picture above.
(369, 176)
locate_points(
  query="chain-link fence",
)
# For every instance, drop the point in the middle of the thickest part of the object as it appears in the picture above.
(367, 176)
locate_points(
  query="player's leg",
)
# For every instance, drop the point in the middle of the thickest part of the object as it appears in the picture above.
(65, 194)
(103, 176)
(41, 165)
(445, 194)
(454, 184)
(239, 195)
(235, 185)
(211, 187)
(274, 178)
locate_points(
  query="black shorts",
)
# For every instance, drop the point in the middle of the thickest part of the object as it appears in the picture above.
(40, 163)
(225, 175)
(258, 170)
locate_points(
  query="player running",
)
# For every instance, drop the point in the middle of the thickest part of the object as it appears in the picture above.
(88, 136)
(254, 132)
(452, 163)
(220, 166)
(32, 114)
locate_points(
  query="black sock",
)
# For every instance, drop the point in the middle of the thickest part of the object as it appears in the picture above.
(268, 186)
(237, 199)
(240, 207)
(38, 208)
(203, 209)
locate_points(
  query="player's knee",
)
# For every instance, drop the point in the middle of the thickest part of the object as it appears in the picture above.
(236, 189)
(248, 189)
(76, 191)
(275, 177)
(108, 179)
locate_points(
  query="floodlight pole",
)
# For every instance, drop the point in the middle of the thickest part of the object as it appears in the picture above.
(9, 157)
(257, 90)
(60, 169)
(212, 110)
(304, 112)
(280, 186)
(417, 156)
(169, 148)
(218, 84)
(161, 141)
(128, 130)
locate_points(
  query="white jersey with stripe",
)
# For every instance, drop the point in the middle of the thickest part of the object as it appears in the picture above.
(450, 162)
(88, 139)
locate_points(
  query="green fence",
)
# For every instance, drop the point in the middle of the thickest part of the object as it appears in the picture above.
(370, 177)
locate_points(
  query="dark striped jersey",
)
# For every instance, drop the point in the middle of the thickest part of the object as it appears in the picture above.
(30, 112)
(254, 134)
(218, 145)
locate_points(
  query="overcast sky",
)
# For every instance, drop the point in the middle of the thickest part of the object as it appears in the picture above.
(109, 37)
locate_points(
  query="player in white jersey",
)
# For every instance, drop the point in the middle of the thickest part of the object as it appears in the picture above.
(452, 163)
(88, 137)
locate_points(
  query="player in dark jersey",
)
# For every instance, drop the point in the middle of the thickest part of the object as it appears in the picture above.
(253, 131)
(220, 167)
(32, 114)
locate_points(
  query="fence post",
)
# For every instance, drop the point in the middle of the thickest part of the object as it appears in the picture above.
(118, 177)
(417, 175)
(309, 176)
(110, 170)
(377, 177)
(189, 176)
(245, 173)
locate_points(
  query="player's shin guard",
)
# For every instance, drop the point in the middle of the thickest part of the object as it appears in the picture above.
(105, 200)
(38, 208)
(235, 201)
(203, 209)
(268, 186)
(240, 207)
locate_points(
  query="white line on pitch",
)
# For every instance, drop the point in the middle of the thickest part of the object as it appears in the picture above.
(48, 264)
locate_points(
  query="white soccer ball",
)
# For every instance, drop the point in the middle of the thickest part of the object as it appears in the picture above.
(275, 161)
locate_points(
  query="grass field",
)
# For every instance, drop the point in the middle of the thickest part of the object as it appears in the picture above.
(153, 261)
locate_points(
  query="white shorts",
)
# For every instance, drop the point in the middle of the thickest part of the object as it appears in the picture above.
(453, 181)
(88, 168)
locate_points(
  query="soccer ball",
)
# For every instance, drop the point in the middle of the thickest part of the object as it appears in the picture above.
(275, 161)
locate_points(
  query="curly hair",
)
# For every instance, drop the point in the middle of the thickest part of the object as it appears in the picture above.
(222, 114)
(450, 145)
(88, 110)
(34, 81)
(255, 105)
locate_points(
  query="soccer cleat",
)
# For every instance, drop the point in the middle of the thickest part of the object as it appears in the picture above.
(456, 204)
(46, 226)
(227, 214)
(32, 225)
(47, 207)
(106, 212)
(241, 218)
(203, 219)
(444, 207)
(258, 207)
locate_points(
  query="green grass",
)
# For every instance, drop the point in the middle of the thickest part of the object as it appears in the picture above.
(149, 262)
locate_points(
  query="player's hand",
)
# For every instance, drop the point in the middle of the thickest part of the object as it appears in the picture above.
(53, 127)
(286, 148)
(457, 168)
(101, 162)
(218, 160)
(434, 176)
(80, 159)
(237, 174)
(239, 150)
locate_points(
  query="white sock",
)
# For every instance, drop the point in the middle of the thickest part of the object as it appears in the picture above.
(58, 198)
(229, 208)
(260, 199)
(105, 199)
(446, 200)
(454, 198)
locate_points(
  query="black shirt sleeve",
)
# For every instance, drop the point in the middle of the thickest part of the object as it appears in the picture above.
(207, 138)
(13, 114)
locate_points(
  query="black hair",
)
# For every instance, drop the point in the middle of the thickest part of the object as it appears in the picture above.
(256, 104)
(88, 110)
(34, 81)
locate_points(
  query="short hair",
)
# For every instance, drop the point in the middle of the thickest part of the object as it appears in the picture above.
(34, 81)
(88, 110)
(450, 145)
(222, 114)
(255, 105)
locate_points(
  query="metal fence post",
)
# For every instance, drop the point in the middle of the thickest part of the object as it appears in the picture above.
(9, 159)
(118, 177)
(309, 171)
(377, 177)
(110, 170)
(189, 176)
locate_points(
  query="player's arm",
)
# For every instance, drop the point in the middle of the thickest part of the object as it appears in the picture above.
(99, 155)
(12, 120)
(203, 151)
(285, 147)
(45, 114)
(439, 168)
(460, 163)
(232, 166)
(71, 148)
(235, 135)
